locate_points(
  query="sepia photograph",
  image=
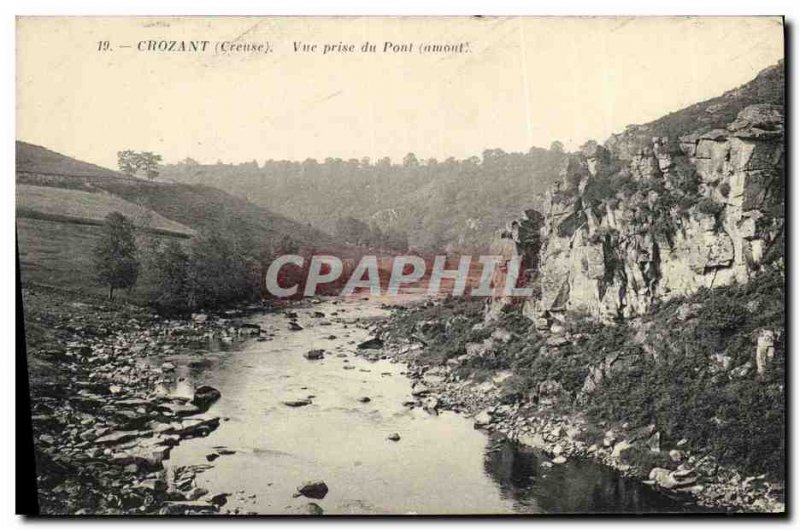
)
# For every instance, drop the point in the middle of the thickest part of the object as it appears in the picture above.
(401, 266)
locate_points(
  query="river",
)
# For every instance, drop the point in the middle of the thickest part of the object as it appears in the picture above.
(440, 465)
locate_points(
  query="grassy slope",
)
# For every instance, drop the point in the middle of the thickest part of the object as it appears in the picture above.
(85, 205)
(60, 201)
(36, 159)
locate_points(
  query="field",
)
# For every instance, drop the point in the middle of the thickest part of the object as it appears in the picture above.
(59, 255)
(67, 204)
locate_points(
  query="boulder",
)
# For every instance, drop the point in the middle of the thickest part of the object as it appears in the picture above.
(178, 409)
(765, 350)
(294, 326)
(311, 508)
(621, 450)
(676, 455)
(671, 480)
(482, 419)
(420, 390)
(205, 396)
(315, 489)
(196, 426)
(117, 437)
(314, 355)
(761, 120)
(196, 493)
(654, 442)
(431, 404)
(371, 344)
(393, 437)
(187, 508)
(220, 499)
(557, 341)
(302, 402)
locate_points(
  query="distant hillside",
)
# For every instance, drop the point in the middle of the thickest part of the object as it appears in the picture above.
(436, 204)
(451, 203)
(61, 204)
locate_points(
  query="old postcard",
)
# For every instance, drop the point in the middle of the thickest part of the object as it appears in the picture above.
(402, 266)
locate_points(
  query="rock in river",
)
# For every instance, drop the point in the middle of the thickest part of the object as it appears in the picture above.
(294, 326)
(393, 437)
(205, 396)
(314, 355)
(302, 402)
(482, 419)
(187, 508)
(670, 480)
(315, 489)
(312, 508)
(176, 408)
(220, 499)
(371, 344)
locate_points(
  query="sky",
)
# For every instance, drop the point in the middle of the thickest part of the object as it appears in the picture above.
(519, 82)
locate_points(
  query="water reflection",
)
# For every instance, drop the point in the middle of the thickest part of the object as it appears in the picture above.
(574, 487)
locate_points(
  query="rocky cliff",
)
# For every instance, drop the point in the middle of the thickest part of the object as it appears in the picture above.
(647, 217)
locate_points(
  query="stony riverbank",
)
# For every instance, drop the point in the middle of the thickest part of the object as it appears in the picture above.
(672, 467)
(103, 421)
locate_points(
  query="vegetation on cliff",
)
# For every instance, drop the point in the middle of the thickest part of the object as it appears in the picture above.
(689, 367)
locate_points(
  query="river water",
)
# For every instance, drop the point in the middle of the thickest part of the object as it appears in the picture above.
(440, 465)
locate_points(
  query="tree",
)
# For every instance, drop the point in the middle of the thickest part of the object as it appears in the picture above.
(557, 147)
(410, 160)
(115, 259)
(132, 163)
(171, 272)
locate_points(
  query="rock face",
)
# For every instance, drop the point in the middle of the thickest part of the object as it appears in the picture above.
(642, 220)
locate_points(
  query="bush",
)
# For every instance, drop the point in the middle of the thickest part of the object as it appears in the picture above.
(214, 271)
